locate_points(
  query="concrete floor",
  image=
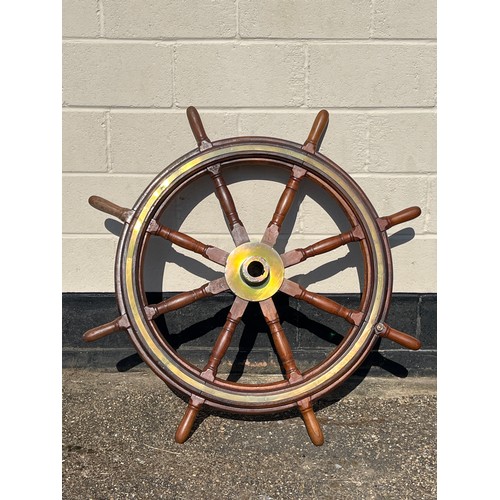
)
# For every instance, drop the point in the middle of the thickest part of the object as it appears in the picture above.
(380, 443)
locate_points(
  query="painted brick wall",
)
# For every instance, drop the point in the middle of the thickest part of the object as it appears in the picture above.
(252, 67)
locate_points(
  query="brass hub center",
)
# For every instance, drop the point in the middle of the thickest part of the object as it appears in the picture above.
(254, 271)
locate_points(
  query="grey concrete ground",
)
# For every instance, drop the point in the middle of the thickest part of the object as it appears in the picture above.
(380, 443)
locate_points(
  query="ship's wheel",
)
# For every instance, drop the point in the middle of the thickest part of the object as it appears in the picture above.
(254, 272)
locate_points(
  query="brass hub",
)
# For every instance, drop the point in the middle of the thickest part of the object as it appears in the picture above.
(254, 271)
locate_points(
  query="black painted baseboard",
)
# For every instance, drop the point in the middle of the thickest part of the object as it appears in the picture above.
(192, 331)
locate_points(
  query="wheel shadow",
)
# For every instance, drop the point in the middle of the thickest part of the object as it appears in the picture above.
(332, 398)
(253, 325)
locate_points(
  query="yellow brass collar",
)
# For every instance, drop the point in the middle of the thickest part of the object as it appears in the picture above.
(254, 271)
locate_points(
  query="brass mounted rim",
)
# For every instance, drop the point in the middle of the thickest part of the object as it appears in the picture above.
(254, 272)
(247, 398)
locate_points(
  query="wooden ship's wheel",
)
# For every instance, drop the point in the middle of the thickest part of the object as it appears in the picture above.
(254, 272)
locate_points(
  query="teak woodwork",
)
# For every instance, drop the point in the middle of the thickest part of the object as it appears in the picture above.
(254, 271)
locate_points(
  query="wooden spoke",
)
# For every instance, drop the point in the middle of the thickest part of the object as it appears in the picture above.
(280, 341)
(318, 130)
(224, 339)
(197, 128)
(117, 325)
(238, 231)
(285, 202)
(311, 422)
(300, 254)
(400, 338)
(321, 302)
(108, 207)
(292, 373)
(185, 298)
(185, 241)
(186, 424)
(405, 215)
(253, 271)
(286, 199)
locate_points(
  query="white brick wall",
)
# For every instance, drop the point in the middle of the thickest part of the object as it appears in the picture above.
(252, 67)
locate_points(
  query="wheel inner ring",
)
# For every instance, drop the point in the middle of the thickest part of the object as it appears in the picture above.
(254, 270)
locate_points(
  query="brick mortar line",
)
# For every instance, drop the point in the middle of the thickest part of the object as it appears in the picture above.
(372, 19)
(109, 165)
(366, 166)
(263, 109)
(306, 77)
(427, 217)
(396, 173)
(100, 6)
(112, 175)
(238, 124)
(89, 236)
(174, 76)
(365, 175)
(237, 5)
(259, 41)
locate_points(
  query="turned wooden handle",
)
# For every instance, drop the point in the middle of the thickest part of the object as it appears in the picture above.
(101, 331)
(280, 341)
(183, 240)
(286, 198)
(285, 202)
(330, 306)
(300, 254)
(282, 347)
(179, 301)
(317, 130)
(328, 244)
(224, 196)
(109, 207)
(312, 425)
(405, 215)
(196, 125)
(187, 422)
(400, 338)
(222, 343)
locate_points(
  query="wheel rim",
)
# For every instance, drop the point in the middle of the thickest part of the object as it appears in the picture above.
(244, 398)
(253, 272)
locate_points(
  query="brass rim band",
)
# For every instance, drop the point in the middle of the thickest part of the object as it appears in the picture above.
(131, 243)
